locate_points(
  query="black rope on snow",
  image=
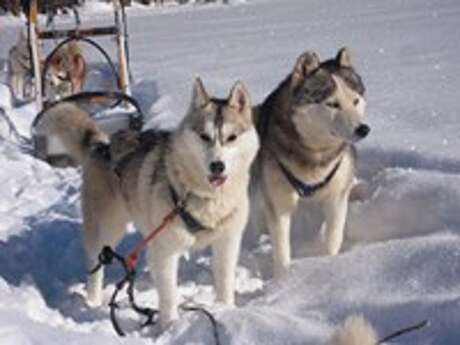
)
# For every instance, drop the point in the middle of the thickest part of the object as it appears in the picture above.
(209, 316)
(107, 257)
(404, 331)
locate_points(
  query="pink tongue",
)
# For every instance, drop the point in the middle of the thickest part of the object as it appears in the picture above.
(217, 181)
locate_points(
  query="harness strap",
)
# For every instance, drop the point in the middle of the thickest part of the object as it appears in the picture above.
(303, 189)
(131, 258)
(129, 263)
(193, 224)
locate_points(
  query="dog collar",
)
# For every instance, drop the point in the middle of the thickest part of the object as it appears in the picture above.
(193, 225)
(303, 189)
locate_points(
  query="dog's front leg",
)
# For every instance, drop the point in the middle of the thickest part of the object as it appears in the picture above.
(279, 203)
(17, 87)
(164, 267)
(225, 253)
(280, 230)
(335, 210)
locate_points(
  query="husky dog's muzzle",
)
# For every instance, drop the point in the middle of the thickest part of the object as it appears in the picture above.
(217, 177)
(362, 131)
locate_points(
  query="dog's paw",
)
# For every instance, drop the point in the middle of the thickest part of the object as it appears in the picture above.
(94, 301)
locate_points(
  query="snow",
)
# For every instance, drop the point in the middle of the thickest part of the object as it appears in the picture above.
(401, 257)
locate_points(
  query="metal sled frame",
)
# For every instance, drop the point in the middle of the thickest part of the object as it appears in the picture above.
(118, 30)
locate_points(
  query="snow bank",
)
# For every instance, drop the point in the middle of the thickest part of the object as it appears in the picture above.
(393, 284)
(25, 320)
(401, 259)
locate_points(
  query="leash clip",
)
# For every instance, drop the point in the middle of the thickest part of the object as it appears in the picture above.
(106, 258)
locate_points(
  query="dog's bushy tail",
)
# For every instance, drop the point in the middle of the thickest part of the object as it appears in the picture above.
(67, 130)
(355, 331)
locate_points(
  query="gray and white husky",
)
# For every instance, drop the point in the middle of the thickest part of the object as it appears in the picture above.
(205, 162)
(20, 69)
(308, 126)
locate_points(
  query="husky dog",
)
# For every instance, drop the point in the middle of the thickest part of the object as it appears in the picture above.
(20, 68)
(204, 163)
(66, 72)
(307, 126)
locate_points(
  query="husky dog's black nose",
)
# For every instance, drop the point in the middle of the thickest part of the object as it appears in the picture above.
(362, 131)
(217, 167)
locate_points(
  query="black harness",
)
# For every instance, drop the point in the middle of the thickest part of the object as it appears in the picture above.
(193, 225)
(149, 139)
(303, 189)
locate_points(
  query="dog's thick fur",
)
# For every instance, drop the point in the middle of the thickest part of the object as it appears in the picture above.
(19, 68)
(66, 72)
(355, 331)
(308, 125)
(148, 166)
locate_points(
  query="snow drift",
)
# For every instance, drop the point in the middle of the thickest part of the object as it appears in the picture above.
(401, 258)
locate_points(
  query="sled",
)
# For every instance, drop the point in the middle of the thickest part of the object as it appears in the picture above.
(115, 109)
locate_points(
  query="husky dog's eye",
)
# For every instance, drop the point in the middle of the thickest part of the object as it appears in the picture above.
(205, 137)
(334, 105)
(356, 101)
(231, 138)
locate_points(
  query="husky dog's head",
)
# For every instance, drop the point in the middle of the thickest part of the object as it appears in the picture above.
(217, 139)
(328, 99)
(58, 78)
(66, 60)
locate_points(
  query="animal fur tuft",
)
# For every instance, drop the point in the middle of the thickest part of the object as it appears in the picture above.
(72, 128)
(355, 331)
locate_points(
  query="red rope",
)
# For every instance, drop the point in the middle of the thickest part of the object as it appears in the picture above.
(131, 259)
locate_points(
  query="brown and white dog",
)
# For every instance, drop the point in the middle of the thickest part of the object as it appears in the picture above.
(65, 74)
(66, 71)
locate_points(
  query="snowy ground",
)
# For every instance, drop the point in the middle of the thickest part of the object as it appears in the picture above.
(401, 262)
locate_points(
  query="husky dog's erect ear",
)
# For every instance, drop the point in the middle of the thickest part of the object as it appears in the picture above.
(239, 97)
(306, 63)
(343, 58)
(200, 97)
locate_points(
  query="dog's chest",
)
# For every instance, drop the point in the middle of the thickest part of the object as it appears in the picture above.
(213, 213)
